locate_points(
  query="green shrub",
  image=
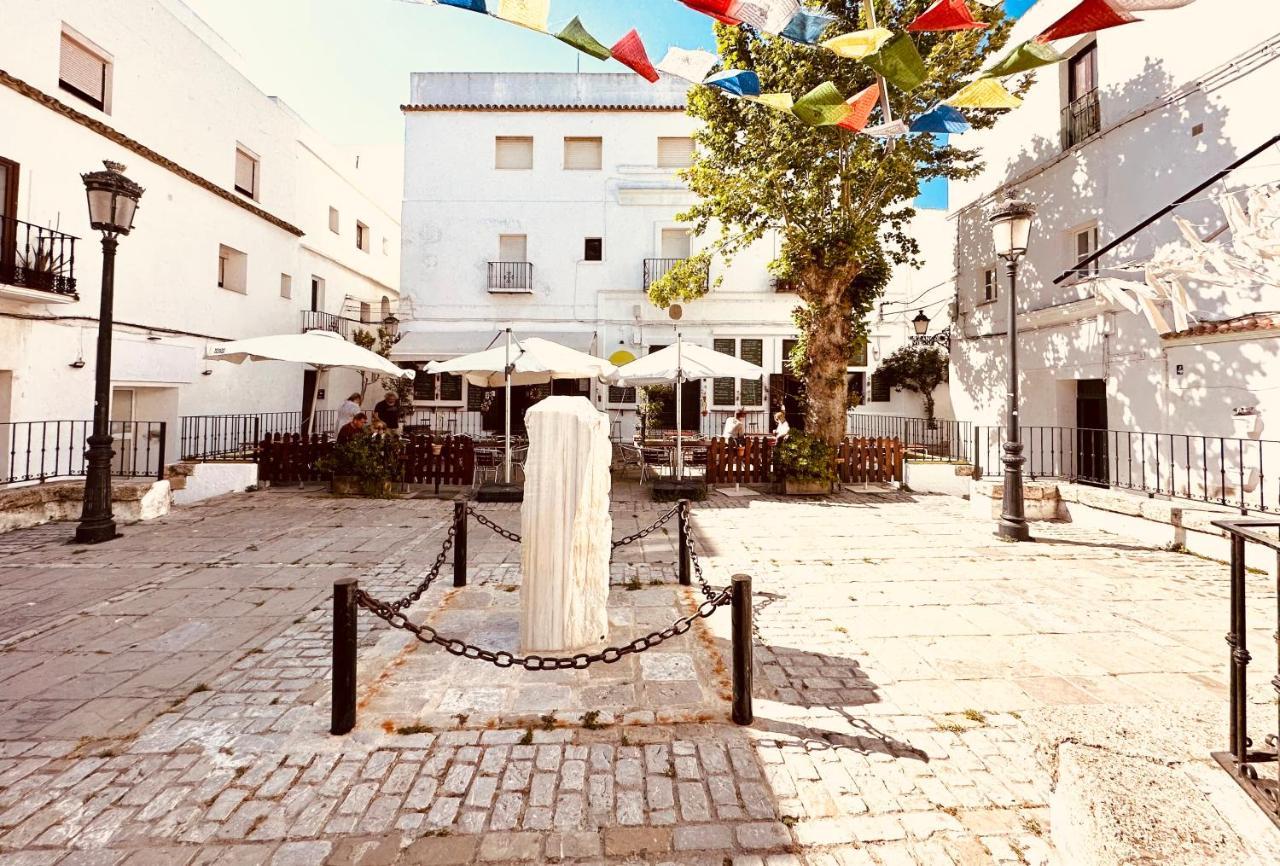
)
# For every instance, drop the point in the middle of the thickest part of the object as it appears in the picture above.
(371, 460)
(801, 457)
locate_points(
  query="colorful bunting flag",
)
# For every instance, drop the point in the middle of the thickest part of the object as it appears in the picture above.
(984, 93)
(1149, 5)
(860, 44)
(891, 129)
(822, 106)
(860, 108)
(717, 9)
(777, 101)
(739, 82)
(1088, 16)
(472, 5)
(900, 63)
(629, 51)
(946, 15)
(807, 26)
(942, 119)
(690, 65)
(527, 13)
(576, 35)
(1026, 56)
(770, 16)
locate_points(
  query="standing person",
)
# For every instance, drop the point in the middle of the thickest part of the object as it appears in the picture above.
(783, 428)
(735, 427)
(353, 428)
(348, 410)
(388, 409)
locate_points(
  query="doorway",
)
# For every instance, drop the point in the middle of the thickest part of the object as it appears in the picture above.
(308, 399)
(1092, 459)
(664, 397)
(8, 217)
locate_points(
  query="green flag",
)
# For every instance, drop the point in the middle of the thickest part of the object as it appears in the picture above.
(899, 63)
(576, 35)
(822, 106)
(1026, 56)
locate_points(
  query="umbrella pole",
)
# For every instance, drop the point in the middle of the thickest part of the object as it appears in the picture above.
(506, 460)
(679, 407)
(315, 398)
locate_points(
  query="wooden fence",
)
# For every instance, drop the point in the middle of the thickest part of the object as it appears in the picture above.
(858, 461)
(290, 458)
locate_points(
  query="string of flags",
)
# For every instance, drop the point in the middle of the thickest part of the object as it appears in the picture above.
(893, 56)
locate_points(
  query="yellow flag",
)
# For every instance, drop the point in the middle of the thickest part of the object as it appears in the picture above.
(527, 13)
(777, 101)
(860, 44)
(983, 93)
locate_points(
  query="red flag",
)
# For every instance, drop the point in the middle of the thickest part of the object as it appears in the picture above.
(1088, 16)
(717, 9)
(630, 52)
(861, 107)
(946, 15)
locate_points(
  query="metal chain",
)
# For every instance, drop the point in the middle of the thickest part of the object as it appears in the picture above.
(503, 659)
(484, 521)
(432, 574)
(707, 590)
(636, 536)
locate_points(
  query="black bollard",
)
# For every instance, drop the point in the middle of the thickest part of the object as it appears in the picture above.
(742, 662)
(460, 544)
(344, 655)
(683, 516)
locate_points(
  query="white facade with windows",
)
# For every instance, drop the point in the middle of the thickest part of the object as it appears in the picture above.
(249, 218)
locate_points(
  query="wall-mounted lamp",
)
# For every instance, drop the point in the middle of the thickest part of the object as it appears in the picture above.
(77, 364)
(206, 373)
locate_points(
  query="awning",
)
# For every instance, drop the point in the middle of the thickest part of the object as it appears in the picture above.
(438, 345)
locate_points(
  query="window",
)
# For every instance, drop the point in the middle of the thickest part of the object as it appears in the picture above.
(439, 387)
(84, 71)
(1082, 73)
(246, 172)
(725, 391)
(1085, 245)
(1082, 116)
(362, 236)
(990, 288)
(593, 250)
(859, 358)
(879, 390)
(385, 309)
(621, 395)
(583, 154)
(513, 248)
(286, 286)
(233, 270)
(386, 246)
(675, 152)
(512, 153)
(317, 293)
(366, 312)
(335, 221)
(450, 388)
(676, 244)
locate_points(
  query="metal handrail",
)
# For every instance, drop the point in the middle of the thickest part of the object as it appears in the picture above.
(510, 276)
(35, 257)
(40, 451)
(1081, 119)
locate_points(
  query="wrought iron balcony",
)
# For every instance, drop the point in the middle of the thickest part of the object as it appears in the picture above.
(510, 277)
(316, 320)
(34, 257)
(1081, 119)
(656, 269)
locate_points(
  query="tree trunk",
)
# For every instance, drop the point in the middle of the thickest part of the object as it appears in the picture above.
(928, 409)
(829, 345)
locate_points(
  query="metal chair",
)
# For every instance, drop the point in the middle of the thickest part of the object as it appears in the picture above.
(488, 462)
(655, 462)
(627, 457)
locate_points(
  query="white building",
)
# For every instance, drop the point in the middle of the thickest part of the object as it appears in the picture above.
(547, 202)
(1137, 116)
(249, 219)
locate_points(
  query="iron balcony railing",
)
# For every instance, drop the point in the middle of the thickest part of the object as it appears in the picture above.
(39, 451)
(235, 437)
(940, 440)
(656, 269)
(510, 276)
(33, 257)
(316, 320)
(1081, 119)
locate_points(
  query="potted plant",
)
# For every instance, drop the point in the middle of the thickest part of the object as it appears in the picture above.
(1244, 421)
(805, 464)
(362, 466)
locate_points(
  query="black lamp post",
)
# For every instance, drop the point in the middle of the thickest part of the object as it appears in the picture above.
(113, 201)
(391, 325)
(921, 324)
(1011, 231)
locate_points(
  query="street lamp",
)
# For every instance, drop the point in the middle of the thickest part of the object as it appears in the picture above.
(1011, 230)
(113, 201)
(921, 324)
(391, 325)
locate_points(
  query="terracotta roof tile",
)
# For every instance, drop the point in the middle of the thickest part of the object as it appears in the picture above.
(1241, 324)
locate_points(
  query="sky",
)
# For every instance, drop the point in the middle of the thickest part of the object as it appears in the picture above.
(344, 65)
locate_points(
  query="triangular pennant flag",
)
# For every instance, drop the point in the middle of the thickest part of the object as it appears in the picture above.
(1149, 5)
(984, 93)
(717, 9)
(807, 26)
(900, 63)
(576, 35)
(946, 15)
(527, 13)
(1086, 17)
(770, 16)
(859, 44)
(473, 5)
(888, 130)
(941, 119)
(822, 106)
(690, 65)
(739, 82)
(1026, 56)
(860, 108)
(777, 101)
(629, 51)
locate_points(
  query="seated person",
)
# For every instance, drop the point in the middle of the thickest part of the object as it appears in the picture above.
(353, 428)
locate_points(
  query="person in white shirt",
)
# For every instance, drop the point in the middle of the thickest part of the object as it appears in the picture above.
(735, 426)
(783, 428)
(348, 410)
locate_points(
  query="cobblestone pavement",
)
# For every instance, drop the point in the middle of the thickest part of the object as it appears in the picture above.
(163, 699)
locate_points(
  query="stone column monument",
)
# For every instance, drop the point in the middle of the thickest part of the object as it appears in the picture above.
(566, 527)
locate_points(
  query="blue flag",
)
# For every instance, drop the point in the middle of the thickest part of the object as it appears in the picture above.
(941, 119)
(473, 5)
(739, 82)
(807, 26)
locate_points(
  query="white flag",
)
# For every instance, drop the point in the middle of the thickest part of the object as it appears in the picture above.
(692, 66)
(888, 130)
(771, 16)
(1149, 5)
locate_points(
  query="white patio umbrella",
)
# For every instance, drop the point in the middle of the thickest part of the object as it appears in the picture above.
(321, 350)
(679, 363)
(528, 361)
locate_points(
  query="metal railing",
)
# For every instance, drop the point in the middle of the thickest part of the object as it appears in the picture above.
(756, 422)
(447, 421)
(656, 269)
(33, 257)
(510, 276)
(235, 437)
(39, 451)
(316, 320)
(941, 439)
(1081, 119)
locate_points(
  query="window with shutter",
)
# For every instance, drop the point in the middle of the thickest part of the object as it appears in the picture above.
(621, 395)
(879, 390)
(335, 221)
(583, 154)
(1086, 245)
(450, 387)
(724, 390)
(752, 389)
(83, 72)
(593, 250)
(362, 237)
(675, 152)
(513, 248)
(990, 288)
(675, 244)
(513, 152)
(246, 173)
(476, 397)
(286, 286)
(424, 387)
(859, 353)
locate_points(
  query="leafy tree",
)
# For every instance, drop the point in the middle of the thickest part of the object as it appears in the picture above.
(841, 202)
(916, 368)
(381, 343)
